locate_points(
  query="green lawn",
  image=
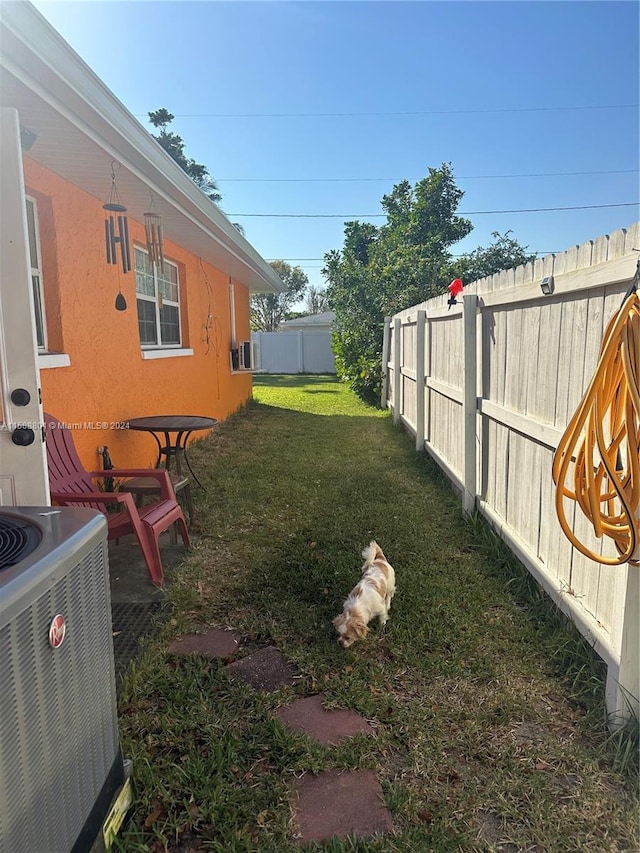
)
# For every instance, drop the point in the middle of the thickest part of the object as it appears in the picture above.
(487, 709)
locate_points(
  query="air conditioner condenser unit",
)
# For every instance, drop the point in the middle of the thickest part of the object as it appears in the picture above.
(61, 767)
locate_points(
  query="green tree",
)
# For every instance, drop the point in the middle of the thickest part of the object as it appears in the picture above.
(381, 271)
(268, 310)
(174, 146)
(358, 324)
(316, 300)
(407, 260)
(411, 260)
(503, 254)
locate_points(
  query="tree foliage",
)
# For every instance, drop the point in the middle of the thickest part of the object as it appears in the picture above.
(174, 146)
(268, 310)
(503, 254)
(316, 300)
(380, 271)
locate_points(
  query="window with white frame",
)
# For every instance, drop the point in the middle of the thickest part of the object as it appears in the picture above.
(35, 259)
(158, 301)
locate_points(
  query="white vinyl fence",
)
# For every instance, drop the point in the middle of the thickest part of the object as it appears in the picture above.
(294, 352)
(488, 385)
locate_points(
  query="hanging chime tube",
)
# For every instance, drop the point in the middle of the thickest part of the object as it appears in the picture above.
(107, 238)
(160, 246)
(124, 243)
(113, 239)
(153, 233)
(147, 232)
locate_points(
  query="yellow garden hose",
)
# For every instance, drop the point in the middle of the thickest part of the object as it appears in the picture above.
(602, 441)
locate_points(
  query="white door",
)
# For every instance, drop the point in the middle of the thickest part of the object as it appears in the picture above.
(23, 470)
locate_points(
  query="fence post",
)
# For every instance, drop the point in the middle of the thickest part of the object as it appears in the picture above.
(421, 319)
(300, 352)
(255, 337)
(397, 368)
(623, 686)
(386, 336)
(469, 406)
(427, 374)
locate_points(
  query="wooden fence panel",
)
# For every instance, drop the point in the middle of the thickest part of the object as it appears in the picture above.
(408, 355)
(444, 389)
(409, 345)
(536, 355)
(409, 402)
(554, 549)
(543, 397)
(497, 356)
(514, 356)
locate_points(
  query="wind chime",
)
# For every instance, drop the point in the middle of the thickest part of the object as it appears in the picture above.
(117, 211)
(153, 234)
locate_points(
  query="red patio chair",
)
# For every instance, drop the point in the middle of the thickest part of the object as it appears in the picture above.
(72, 485)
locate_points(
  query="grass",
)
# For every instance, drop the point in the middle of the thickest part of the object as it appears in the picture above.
(487, 706)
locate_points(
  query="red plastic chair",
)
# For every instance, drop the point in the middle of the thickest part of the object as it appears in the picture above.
(72, 485)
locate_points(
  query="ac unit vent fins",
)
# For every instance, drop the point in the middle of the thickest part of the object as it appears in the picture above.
(17, 540)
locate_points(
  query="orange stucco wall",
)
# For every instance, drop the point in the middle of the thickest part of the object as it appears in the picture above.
(108, 381)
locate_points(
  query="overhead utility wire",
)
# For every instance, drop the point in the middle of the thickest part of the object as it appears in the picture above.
(268, 260)
(458, 177)
(460, 213)
(402, 113)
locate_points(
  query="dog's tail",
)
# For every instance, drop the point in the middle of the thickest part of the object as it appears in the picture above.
(372, 552)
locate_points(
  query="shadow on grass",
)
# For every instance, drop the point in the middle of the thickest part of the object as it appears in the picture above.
(308, 493)
(293, 380)
(471, 717)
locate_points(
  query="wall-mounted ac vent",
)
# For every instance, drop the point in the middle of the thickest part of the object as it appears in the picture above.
(243, 357)
(247, 356)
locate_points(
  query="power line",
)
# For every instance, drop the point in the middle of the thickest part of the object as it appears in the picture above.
(453, 255)
(460, 213)
(458, 177)
(402, 113)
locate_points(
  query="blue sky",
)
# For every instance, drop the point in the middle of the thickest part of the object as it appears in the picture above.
(387, 90)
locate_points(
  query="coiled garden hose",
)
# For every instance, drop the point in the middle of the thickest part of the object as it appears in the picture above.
(602, 441)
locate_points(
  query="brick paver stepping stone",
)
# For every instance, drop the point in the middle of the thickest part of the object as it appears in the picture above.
(309, 715)
(266, 670)
(334, 803)
(215, 642)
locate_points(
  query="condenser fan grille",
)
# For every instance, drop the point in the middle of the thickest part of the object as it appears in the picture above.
(17, 540)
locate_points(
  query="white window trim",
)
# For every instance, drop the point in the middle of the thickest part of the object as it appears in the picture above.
(37, 271)
(160, 347)
(53, 359)
(165, 353)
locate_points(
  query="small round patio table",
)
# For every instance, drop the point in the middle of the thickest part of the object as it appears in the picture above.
(176, 430)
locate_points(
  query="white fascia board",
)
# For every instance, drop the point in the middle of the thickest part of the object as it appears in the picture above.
(39, 57)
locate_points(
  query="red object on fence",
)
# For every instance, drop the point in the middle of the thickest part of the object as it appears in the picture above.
(455, 287)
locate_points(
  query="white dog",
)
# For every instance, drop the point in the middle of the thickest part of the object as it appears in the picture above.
(370, 597)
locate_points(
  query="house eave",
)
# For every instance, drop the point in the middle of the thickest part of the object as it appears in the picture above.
(53, 89)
